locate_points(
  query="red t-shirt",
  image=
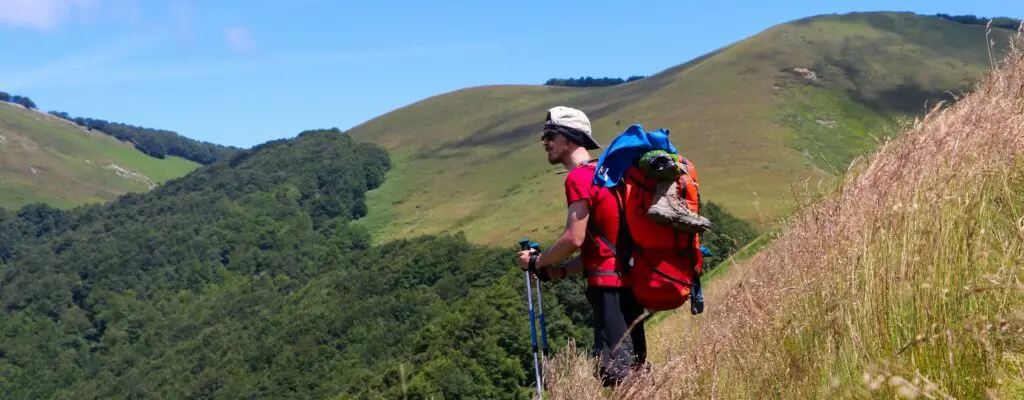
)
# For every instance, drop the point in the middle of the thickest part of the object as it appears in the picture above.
(604, 215)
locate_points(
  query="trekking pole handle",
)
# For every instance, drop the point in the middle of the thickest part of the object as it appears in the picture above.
(526, 244)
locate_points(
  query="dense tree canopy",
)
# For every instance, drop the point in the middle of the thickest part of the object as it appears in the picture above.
(246, 279)
(588, 81)
(1005, 23)
(24, 101)
(158, 143)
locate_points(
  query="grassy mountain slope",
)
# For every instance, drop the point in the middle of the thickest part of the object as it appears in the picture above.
(45, 158)
(904, 281)
(471, 160)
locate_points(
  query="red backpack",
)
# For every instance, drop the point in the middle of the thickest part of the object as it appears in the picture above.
(665, 262)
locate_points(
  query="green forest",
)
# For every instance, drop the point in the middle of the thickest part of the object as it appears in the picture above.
(246, 279)
(1001, 22)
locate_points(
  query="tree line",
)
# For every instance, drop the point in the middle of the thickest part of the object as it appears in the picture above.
(157, 143)
(248, 279)
(24, 101)
(1002, 22)
(588, 81)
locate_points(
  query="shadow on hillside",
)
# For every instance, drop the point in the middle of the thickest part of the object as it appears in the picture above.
(596, 102)
(905, 99)
(493, 135)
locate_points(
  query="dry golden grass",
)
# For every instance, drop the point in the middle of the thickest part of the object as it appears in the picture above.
(903, 282)
(567, 375)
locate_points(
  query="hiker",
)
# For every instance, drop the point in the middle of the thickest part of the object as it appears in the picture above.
(593, 212)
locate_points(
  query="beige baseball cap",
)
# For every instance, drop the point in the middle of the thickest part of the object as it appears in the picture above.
(572, 123)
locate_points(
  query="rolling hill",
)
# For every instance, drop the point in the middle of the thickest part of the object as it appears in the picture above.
(44, 158)
(791, 105)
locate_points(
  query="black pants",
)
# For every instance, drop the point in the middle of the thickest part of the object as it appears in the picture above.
(615, 309)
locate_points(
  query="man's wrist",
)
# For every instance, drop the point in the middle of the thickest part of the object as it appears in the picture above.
(543, 274)
(541, 261)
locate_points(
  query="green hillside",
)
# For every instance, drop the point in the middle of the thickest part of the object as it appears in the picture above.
(48, 159)
(752, 119)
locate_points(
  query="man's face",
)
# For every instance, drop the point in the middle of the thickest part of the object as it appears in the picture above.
(556, 145)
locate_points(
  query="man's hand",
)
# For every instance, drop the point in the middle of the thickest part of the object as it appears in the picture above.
(545, 273)
(524, 259)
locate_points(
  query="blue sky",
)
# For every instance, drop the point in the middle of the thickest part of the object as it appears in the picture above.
(244, 72)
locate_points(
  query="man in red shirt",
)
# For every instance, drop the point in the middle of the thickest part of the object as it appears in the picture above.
(592, 222)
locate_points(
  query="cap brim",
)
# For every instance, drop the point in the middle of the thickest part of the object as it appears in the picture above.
(589, 142)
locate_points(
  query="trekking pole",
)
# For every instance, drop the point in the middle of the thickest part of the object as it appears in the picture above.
(543, 325)
(525, 245)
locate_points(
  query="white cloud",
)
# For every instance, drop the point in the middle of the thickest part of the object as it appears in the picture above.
(41, 14)
(239, 38)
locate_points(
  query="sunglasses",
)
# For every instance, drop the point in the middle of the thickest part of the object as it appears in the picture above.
(548, 136)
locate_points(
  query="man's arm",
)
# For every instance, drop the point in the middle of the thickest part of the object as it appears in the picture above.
(572, 237)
